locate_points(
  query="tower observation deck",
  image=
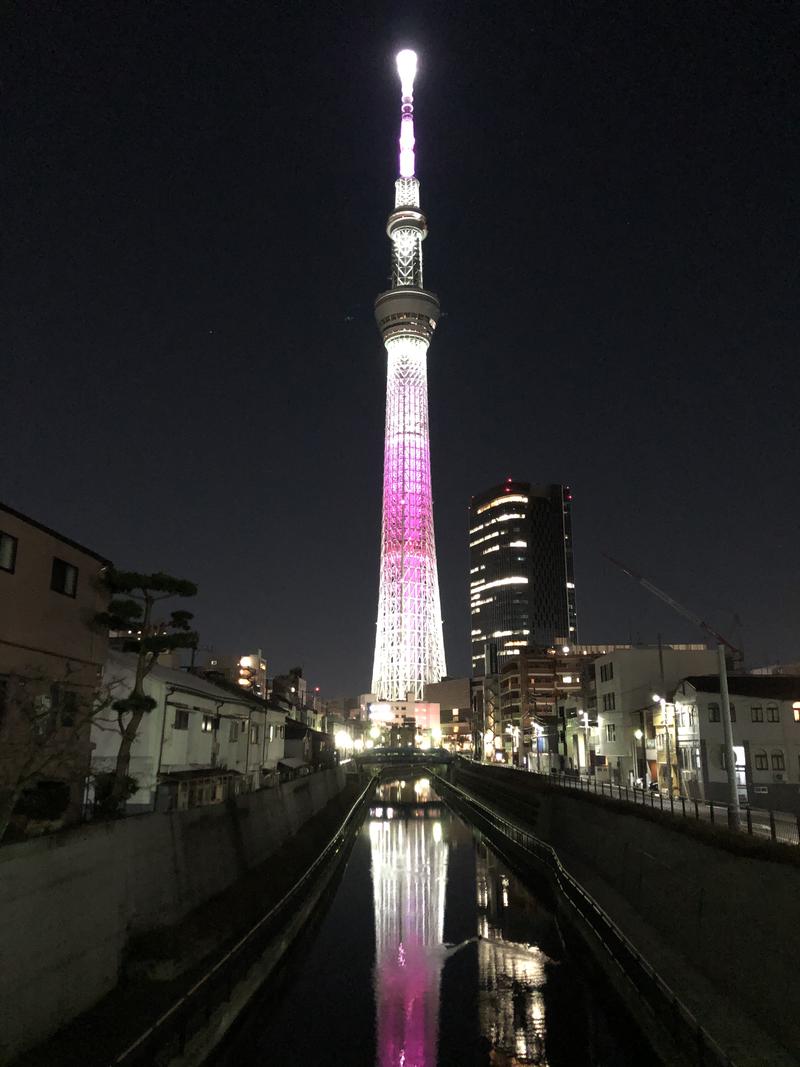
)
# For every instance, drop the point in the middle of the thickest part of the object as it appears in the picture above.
(409, 648)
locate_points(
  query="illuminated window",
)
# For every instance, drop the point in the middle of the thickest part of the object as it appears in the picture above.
(757, 713)
(773, 713)
(760, 760)
(516, 497)
(64, 577)
(796, 710)
(210, 723)
(8, 552)
(778, 761)
(713, 712)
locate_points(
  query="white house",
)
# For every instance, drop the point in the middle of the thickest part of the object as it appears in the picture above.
(618, 700)
(765, 714)
(200, 744)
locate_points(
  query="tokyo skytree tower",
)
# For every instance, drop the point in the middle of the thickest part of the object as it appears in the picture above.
(409, 649)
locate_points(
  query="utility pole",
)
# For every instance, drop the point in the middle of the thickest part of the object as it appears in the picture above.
(734, 813)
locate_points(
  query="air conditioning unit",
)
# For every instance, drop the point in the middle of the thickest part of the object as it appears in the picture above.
(777, 777)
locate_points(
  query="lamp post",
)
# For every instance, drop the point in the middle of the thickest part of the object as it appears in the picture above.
(662, 701)
(639, 735)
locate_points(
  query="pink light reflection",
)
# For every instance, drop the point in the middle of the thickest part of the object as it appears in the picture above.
(409, 872)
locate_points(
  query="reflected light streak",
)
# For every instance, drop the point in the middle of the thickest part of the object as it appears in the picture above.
(409, 874)
(511, 977)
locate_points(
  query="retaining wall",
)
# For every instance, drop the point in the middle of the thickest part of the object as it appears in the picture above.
(69, 902)
(736, 919)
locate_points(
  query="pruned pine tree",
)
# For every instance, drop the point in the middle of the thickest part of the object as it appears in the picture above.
(132, 610)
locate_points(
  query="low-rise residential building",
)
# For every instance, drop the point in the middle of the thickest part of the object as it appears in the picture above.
(51, 658)
(200, 744)
(765, 718)
(615, 728)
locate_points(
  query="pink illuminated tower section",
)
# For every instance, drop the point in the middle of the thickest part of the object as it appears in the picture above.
(409, 649)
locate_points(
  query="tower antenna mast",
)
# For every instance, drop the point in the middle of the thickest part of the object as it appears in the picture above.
(409, 647)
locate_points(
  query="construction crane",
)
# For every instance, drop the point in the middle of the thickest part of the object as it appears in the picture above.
(734, 815)
(736, 653)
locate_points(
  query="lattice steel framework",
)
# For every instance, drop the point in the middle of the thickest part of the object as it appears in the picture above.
(409, 648)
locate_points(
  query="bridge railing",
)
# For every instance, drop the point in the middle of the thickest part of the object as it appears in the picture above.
(169, 1034)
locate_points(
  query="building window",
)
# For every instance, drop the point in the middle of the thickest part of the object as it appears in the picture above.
(64, 705)
(733, 712)
(773, 713)
(210, 723)
(254, 734)
(778, 762)
(713, 712)
(233, 735)
(611, 731)
(8, 552)
(606, 672)
(796, 710)
(757, 713)
(3, 696)
(760, 760)
(64, 578)
(270, 733)
(609, 701)
(181, 720)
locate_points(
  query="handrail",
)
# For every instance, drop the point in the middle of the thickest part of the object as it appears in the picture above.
(175, 1009)
(565, 879)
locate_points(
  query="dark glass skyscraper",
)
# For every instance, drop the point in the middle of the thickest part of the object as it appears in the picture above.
(521, 580)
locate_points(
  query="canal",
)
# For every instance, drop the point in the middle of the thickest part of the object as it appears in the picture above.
(429, 950)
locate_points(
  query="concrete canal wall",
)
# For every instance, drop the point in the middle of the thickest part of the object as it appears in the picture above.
(69, 902)
(734, 919)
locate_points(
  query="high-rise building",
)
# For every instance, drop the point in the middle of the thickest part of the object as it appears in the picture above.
(521, 577)
(409, 649)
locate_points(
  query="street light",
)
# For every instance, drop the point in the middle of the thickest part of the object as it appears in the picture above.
(639, 735)
(585, 716)
(662, 701)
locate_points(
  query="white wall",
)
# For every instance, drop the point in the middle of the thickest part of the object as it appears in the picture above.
(179, 695)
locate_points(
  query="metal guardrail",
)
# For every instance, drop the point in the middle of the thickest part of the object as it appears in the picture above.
(758, 822)
(780, 826)
(170, 1032)
(661, 999)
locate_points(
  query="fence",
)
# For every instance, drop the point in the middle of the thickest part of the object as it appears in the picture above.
(758, 822)
(683, 1026)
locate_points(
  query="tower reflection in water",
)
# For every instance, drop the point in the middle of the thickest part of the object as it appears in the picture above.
(511, 973)
(409, 874)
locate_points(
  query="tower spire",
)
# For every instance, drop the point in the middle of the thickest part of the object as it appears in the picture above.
(409, 648)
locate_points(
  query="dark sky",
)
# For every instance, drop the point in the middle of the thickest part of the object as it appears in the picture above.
(193, 209)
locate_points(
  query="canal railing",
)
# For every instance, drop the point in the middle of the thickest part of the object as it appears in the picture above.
(663, 1002)
(169, 1035)
(779, 826)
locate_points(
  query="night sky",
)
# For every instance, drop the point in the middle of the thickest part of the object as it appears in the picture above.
(193, 210)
